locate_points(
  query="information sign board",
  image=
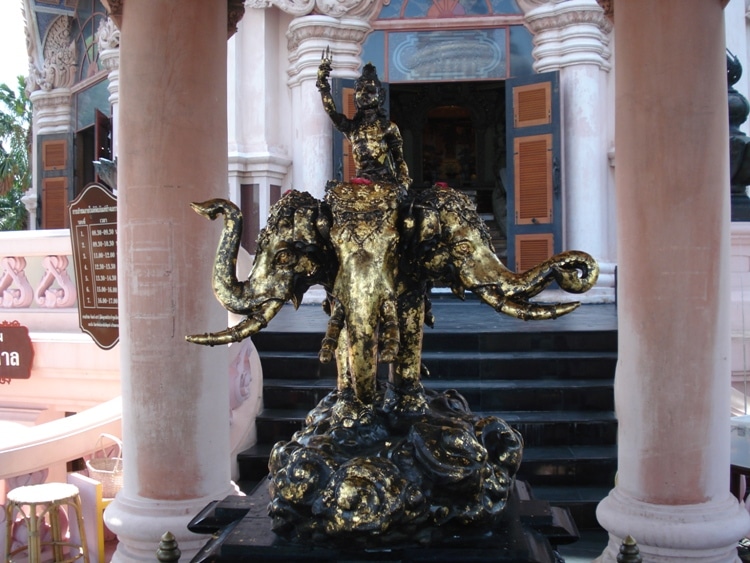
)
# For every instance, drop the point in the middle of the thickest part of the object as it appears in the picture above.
(16, 352)
(93, 230)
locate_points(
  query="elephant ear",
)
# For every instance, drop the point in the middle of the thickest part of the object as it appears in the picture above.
(428, 230)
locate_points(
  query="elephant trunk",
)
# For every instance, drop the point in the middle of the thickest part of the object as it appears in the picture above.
(224, 280)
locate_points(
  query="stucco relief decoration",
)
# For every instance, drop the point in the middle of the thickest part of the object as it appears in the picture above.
(609, 8)
(114, 10)
(333, 8)
(59, 59)
(55, 272)
(443, 57)
(242, 370)
(108, 36)
(15, 290)
(235, 11)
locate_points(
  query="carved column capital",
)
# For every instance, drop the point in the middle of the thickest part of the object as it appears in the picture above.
(114, 10)
(52, 111)
(569, 32)
(334, 8)
(235, 11)
(609, 8)
(108, 39)
(308, 36)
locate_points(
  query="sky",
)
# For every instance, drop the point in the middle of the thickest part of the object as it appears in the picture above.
(13, 57)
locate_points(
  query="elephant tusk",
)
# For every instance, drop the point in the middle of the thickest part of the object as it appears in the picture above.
(535, 311)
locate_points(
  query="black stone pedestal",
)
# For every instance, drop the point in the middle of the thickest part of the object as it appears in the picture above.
(241, 530)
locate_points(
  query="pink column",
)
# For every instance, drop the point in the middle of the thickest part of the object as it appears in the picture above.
(673, 377)
(172, 151)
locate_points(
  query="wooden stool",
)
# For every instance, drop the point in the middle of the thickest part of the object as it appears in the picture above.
(35, 503)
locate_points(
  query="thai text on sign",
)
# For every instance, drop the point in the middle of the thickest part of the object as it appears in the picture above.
(93, 229)
(16, 352)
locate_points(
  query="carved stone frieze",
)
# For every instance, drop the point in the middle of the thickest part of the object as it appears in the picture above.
(334, 8)
(59, 59)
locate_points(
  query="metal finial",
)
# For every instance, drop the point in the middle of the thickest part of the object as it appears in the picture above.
(629, 552)
(168, 550)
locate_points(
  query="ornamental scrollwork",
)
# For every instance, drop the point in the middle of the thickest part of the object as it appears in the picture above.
(56, 289)
(59, 59)
(108, 36)
(15, 290)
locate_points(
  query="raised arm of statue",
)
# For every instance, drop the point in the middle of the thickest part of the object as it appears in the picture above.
(396, 148)
(340, 121)
(377, 146)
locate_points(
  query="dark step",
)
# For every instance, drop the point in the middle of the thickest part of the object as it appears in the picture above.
(469, 325)
(442, 339)
(461, 365)
(553, 467)
(569, 466)
(581, 501)
(571, 394)
(538, 428)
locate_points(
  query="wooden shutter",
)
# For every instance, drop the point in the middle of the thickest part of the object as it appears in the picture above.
(54, 203)
(54, 154)
(533, 174)
(348, 109)
(532, 249)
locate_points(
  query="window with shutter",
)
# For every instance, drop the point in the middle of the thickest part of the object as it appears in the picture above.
(54, 154)
(532, 249)
(533, 179)
(54, 203)
(534, 200)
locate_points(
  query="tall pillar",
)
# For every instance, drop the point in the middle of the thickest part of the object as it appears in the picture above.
(572, 37)
(672, 384)
(108, 37)
(309, 36)
(172, 151)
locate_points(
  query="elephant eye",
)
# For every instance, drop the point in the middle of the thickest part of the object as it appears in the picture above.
(284, 256)
(463, 248)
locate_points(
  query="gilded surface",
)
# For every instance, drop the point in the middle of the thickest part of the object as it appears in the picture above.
(380, 463)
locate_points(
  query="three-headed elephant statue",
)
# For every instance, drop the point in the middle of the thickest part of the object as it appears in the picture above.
(377, 254)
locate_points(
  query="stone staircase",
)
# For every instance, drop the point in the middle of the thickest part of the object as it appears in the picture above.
(552, 380)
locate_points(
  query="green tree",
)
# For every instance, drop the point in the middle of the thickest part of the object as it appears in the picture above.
(15, 154)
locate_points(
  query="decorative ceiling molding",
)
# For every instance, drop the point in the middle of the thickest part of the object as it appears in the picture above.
(335, 8)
